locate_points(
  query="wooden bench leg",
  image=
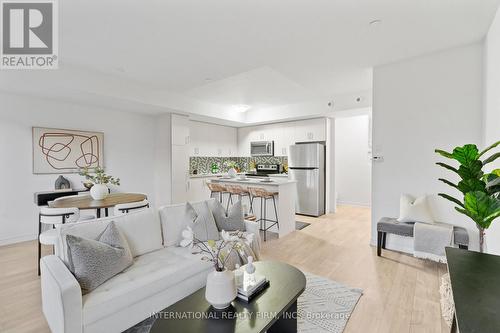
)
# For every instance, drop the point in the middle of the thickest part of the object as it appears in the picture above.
(384, 238)
(379, 243)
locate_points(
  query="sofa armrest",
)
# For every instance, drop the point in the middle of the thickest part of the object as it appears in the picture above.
(61, 296)
(253, 227)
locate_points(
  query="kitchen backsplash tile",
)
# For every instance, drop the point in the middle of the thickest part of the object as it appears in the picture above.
(203, 165)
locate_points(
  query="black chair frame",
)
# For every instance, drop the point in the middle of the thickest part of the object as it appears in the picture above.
(40, 215)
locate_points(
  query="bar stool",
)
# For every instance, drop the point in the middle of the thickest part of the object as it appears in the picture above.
(217, 188)
(240, 192)
(264, 195)
(53, 217)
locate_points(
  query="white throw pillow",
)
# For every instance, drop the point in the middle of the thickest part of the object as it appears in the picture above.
(142, 229)
(414, 209)
(197, 215)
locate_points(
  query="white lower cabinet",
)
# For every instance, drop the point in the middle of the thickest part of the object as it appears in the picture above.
(198, 189)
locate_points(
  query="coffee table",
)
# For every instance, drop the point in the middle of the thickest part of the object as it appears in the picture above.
(274, 310)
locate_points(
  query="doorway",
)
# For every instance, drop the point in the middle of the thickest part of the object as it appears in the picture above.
(353, 158)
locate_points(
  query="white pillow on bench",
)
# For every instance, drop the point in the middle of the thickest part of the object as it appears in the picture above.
(413, 209)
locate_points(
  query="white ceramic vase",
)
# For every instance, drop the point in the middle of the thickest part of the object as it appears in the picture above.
(232, 173)
(99, 191)
(221, 289)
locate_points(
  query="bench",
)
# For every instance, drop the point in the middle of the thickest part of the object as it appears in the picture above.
(389, 225)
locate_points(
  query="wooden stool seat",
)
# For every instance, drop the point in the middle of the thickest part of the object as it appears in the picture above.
(215, 187)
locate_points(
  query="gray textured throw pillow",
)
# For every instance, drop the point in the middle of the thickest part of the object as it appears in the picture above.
(231, 221)
(93, 262)
(203, 225)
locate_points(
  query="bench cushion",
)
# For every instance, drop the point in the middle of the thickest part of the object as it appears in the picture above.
(392, 226)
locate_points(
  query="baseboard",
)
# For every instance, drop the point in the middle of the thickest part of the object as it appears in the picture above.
(17, 239)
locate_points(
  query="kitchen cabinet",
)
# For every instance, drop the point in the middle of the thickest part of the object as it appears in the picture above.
(180, 157)
(180, 130)
(180, 173)
(212, 140)
(310, 130)
(284, 138)
(197, 189)
(244, 139)
(283, 134)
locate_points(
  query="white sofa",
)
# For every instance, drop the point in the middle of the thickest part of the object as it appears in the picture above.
(162, 274)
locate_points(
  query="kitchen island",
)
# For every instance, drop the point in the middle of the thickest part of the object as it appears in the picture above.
(285, 200)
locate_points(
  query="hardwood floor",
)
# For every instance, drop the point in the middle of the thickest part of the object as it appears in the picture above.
(400, 292)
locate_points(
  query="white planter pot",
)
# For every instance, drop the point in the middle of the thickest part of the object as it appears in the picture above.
(221, 289)
(232, 173)
(99, 191)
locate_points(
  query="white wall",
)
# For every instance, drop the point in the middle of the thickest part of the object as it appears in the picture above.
(492, 112)
(423, 103)
(352, 161)
(129, 153)
(492, 84)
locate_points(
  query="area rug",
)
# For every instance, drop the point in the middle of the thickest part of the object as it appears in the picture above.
(324, 307)
(301, 225)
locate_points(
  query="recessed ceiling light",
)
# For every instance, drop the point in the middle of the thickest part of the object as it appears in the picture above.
(241, 108)
(375, 23)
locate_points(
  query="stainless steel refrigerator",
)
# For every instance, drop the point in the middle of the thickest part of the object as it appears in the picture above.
(306, 165)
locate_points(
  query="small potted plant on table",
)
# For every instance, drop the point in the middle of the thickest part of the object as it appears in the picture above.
(100, 180)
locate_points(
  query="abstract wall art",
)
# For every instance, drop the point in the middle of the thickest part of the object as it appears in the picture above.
(66, 151)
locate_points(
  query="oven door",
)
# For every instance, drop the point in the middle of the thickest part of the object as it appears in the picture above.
(262, 148)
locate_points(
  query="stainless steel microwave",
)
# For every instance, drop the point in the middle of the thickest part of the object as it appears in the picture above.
(262, 148)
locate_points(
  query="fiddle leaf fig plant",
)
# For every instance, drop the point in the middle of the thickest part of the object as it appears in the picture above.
(480, 190)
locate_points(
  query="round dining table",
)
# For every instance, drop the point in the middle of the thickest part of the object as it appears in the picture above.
(87, 202)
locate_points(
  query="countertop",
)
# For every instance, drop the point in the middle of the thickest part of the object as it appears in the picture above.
(209, 175)
(257, 181)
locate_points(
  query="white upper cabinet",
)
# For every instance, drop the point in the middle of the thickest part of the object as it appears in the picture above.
(283, 134)
(310, 130)
(244, 139)
(180, 130)
(212, 140)
(284, 137)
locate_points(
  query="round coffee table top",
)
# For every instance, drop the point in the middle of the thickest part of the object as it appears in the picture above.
(86, 201)
(286, 284)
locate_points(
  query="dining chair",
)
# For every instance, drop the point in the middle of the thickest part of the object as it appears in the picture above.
(82, 217)
(52, 217)
(125, 208)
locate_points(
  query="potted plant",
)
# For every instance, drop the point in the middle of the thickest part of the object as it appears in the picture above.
(220, 289)
(480, 190)
(232, 167)
(100, 180)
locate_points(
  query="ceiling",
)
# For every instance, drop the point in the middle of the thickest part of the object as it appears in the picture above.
(203, 57)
